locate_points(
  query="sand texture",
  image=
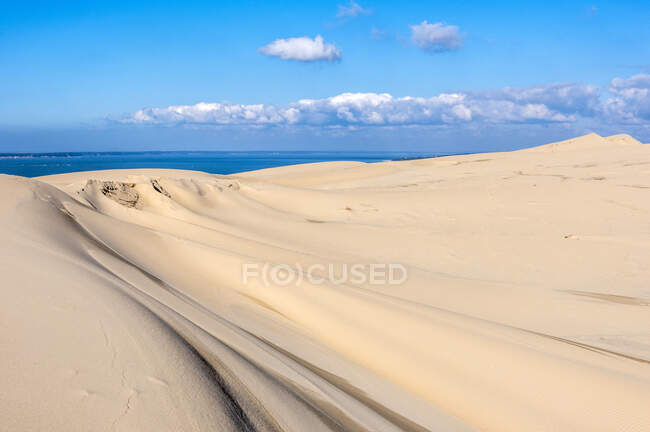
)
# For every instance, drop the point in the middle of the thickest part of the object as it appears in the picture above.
(526, 308)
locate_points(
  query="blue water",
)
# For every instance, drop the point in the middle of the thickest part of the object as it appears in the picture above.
(39, 164)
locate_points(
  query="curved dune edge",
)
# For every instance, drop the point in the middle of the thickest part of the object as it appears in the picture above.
(526, 305)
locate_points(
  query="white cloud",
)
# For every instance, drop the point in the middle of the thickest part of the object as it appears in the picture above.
(303, 49)
(562, 98)
(630, 100)
(555, 103)
(351, 10)
(436, 37)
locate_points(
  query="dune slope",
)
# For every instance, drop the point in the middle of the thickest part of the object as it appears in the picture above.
(525, 307)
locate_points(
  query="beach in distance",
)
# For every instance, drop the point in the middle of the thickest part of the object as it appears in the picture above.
(483, 292)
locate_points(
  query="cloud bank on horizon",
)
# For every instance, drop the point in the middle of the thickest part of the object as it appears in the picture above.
(628, 103)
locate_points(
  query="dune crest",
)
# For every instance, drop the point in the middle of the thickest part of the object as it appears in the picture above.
(525, 307)
(587, 142)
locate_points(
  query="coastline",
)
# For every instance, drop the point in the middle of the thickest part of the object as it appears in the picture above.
(214, 162)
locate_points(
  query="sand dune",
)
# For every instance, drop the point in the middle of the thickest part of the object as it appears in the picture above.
(526, 306)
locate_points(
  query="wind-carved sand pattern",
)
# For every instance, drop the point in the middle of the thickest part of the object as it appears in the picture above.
(612, 298)
(525, 309)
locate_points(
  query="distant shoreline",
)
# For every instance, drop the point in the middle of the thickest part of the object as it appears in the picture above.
(35, 164)
(237, 152)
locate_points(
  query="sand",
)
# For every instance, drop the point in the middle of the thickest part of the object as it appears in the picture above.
(526, 307)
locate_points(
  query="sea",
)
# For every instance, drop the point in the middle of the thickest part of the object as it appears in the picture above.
(215, 162)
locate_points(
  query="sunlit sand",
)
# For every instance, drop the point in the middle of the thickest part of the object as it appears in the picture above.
(526, 305)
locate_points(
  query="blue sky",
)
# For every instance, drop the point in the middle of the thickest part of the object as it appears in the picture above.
(73, 75)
